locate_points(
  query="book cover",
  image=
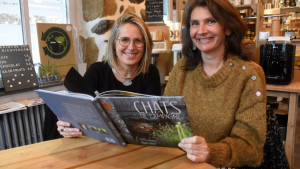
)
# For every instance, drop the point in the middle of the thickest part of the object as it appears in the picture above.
(149, 120)
(122, 117)
(83, 112)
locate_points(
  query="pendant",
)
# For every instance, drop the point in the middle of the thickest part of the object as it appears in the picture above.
(127, 82)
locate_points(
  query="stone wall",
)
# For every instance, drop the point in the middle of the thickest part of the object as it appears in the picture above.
(95, 19)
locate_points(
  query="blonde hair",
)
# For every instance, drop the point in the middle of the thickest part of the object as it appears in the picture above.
(111, 56)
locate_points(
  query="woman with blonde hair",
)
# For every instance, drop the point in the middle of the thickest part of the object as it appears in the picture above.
(126, 65)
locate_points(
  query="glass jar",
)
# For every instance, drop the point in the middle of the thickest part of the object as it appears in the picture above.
(252, 36)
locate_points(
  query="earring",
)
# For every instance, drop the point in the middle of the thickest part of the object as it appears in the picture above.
(194, 46)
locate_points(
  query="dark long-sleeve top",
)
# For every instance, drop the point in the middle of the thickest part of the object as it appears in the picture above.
(102, 78)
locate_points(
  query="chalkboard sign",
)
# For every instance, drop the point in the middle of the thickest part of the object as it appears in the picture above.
(17, 68)
(154, 11)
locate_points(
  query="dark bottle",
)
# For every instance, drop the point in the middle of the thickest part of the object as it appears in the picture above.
(292, 3)
(281, 3)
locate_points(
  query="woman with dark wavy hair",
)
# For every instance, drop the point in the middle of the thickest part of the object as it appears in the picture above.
(225, 93)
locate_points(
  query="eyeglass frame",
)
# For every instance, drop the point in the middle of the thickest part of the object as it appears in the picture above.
(133, 42)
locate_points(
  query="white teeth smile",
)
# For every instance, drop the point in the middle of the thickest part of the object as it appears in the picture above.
(129, 54)
(204, 39)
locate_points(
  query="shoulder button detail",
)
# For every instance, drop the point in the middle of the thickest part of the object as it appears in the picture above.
(244, 67)
(253, 77)
(231, 64)
(258, 93)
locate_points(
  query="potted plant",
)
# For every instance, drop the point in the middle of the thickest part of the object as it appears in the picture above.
(55, 73)
(41, 79)
(47, 72)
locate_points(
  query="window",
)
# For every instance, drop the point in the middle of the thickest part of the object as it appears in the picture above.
(18, 20)
(10, 23)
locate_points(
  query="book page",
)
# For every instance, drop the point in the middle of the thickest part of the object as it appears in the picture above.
(120, 93)
(81, 95)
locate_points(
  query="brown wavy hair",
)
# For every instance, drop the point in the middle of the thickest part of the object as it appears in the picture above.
(227, 16)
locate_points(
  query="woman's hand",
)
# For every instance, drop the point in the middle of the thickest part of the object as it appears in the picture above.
(64, 129)
(196, 148)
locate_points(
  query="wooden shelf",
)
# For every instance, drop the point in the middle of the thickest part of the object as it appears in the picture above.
(250, 18)
(248, 6)
(267, 23)
(255, 23)
(281, 10)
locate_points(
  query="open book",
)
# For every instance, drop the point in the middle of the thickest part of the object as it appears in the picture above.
(122, 117)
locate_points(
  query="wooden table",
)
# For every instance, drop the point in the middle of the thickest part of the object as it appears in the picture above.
(290, 91)
(88, 153)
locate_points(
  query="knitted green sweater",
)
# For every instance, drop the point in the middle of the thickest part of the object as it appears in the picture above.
(228, 109)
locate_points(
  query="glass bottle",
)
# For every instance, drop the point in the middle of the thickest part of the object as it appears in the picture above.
(252, 36)
(281, 3)
(292, 3)
(248, 34)
(287, 3)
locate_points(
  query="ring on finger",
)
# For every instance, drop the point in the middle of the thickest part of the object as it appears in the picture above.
(62, 129)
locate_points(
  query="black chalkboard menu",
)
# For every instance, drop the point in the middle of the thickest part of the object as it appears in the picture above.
(17, 68)
(154, 11)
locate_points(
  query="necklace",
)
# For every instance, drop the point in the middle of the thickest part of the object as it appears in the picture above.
(126, 81)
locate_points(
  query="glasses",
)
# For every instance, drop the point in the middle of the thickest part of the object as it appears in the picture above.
(124, 41)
